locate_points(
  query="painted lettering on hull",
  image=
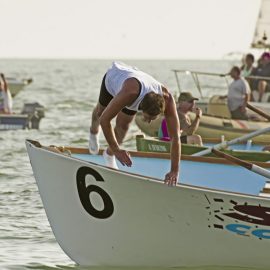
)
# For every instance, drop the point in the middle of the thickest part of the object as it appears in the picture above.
(242, 219)
(85, 191)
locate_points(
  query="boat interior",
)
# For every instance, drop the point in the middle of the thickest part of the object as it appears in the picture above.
(205, 172)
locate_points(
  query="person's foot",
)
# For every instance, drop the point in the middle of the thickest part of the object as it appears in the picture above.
(110, 161)
(93, 143)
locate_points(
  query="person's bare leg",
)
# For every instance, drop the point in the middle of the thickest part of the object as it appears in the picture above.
(94, 129)
(195, 139)
(98, 110)
(121, 127)
(122, 124)
(261, 88)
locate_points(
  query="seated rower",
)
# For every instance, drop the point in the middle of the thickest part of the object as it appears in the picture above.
(186, 104)
(238, 95)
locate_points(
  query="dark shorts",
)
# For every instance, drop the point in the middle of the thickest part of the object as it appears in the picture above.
(183, 139)
(238, 114)
(105, 98)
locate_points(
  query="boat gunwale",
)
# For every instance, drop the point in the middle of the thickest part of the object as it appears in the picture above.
(55, 150)
(212, 160)
(210, 140)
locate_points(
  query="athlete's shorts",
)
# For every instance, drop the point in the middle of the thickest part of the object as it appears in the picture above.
(105, 98)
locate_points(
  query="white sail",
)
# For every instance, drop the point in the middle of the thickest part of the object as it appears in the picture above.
(261, 38)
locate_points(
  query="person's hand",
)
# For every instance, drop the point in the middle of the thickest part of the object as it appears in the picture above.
(123, 156)
(198, 112)
(243, 108)
(171, 178)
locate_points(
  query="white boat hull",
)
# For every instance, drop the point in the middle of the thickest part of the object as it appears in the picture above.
(105, 217)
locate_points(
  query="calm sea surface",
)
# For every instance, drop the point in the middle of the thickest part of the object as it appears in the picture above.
(68, 89)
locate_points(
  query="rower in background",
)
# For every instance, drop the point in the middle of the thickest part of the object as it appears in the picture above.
(185, 104)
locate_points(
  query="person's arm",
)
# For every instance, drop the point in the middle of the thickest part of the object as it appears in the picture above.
(194, 125)
(244, 106)
(126, 96)
(246, 91)
(4, 82)
(174, 132)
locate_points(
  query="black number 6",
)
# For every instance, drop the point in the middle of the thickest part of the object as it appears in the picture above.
(84, 194)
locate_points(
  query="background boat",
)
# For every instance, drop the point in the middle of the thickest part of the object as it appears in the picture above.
(211, 127)
(209, 87)
(159, 146)
(262, 30)
(29, 118)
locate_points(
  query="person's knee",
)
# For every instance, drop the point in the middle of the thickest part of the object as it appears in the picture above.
(195, 139)
(262, 85)
(199, 139)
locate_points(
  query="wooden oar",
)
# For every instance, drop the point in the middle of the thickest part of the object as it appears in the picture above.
(233, 141)
(252, 167)
(258, 111)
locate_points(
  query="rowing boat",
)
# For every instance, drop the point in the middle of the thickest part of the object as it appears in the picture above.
(29, 118)
(210, 126)
(159, 146)
(218, 214)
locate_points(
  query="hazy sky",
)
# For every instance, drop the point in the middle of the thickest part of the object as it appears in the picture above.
(126, 28)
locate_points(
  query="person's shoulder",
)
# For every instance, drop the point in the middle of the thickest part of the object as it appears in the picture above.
(132, 85)
(164, 90)
(167, 94)
(244, 83)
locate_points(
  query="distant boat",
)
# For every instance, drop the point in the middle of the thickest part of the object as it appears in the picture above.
(262, 30)
(261, 37)
(16, 85)
(29, 118)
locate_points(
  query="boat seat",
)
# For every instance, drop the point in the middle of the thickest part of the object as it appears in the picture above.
(227, 123)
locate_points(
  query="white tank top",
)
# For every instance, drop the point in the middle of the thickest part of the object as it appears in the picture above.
(119, 72)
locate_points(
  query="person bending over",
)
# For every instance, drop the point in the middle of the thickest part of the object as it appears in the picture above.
(124, 91)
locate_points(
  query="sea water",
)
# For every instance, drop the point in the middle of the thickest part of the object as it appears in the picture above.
(69, 90)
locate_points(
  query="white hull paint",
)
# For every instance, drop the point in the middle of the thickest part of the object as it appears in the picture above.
(104, 217)
(16, 85)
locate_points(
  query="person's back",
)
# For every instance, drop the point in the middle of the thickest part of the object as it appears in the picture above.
(120, 72)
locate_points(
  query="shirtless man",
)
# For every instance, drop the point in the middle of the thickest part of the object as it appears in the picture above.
(186, 104)
(124, 91)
